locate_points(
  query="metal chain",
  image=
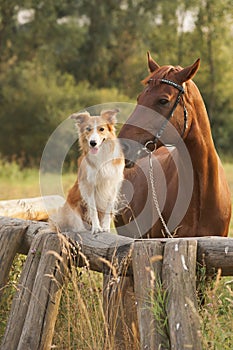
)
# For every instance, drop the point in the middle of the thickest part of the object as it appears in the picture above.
(155, 198)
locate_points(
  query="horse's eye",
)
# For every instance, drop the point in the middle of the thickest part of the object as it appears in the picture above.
(163, 101)
(101, 129)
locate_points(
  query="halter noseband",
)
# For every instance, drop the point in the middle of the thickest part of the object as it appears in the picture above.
(161, 130)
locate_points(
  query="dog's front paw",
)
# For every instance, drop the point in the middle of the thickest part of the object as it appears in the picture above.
(96, 229)
(106, 229)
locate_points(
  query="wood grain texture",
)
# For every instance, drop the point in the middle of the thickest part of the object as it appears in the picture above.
(38, 208)
(212, 252)
(35, 305)
(11, 238)
(179, 279)
(147, 267)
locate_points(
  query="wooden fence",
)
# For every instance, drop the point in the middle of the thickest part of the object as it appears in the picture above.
(144, 269)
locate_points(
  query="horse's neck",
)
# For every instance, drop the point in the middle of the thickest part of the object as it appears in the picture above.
(201, 148)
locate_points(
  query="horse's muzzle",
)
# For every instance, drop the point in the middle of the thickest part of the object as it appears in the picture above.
(125, 145)
(132, 151)
(129, 164)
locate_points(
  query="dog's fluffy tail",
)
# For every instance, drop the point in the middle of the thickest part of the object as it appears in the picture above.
(65, 220)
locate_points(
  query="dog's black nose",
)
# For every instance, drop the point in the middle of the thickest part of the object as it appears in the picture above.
(93, 143)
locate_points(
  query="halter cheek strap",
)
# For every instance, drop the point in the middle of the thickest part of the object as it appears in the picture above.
(152, 144)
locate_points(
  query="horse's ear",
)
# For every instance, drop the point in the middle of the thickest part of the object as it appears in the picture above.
(79, 117)
(110, 115)
(152, 65)
(188, 73)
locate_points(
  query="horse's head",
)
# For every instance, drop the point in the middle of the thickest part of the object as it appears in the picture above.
(161, 114)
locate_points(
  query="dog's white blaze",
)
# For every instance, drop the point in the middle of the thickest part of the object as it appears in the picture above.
(95, 136)
(90, 174)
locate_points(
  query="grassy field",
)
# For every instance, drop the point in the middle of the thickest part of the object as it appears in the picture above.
(15, 183)
(81, 322)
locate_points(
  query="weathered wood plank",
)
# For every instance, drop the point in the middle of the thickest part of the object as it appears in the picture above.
(212, 252)
(147, 267)
(38, 208)
(179, 279)
(22, 297)
(93, 247)
(215, 253)
(120, 313)
(104, 245)
(35, 305)
(94, 250)
(29, 230)
(10, 241)
(107, 246)
(119, 305)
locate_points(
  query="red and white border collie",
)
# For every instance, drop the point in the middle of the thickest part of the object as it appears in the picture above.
(92, 199)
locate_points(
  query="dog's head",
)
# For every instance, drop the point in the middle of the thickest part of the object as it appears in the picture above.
(94, 130)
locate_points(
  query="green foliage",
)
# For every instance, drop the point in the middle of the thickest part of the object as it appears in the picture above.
(56, 55)
(35, 100)
(33, 103)
(9, 291)
(158, 306)
(216, 313)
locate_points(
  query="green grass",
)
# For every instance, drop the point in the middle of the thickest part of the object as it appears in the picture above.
(80, 324)
(81, 321)
(16, 183)
(216, 314)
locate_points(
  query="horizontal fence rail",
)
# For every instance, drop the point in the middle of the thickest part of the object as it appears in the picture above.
(213, 252)
(170, 262)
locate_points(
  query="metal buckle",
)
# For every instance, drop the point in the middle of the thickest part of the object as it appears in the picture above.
(146, 149)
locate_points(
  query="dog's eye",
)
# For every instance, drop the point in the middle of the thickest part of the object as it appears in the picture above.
(101, 129)
(88, 128)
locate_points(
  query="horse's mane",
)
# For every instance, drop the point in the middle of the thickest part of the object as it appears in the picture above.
(161, 73)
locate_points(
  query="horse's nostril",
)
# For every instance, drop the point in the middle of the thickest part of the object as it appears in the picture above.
(129, 163)
(93, 143)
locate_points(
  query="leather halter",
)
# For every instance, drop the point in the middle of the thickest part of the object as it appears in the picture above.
(162, 128)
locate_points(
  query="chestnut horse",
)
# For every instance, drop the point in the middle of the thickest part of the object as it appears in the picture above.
(175, 183)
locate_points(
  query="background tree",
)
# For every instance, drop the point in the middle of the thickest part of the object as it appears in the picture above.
(60, 56)
(213, 32)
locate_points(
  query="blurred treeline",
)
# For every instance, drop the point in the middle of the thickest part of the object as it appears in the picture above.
(60, 56)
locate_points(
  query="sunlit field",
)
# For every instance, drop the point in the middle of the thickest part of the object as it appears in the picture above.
(16, 183)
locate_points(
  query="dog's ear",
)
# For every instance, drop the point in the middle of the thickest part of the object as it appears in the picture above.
(110, 115)
(80, 117)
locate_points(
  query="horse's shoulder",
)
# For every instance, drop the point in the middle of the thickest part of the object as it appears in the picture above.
(166, 155)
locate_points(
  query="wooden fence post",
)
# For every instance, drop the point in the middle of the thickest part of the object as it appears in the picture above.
(179, 278)
(35, 306)
(120, 308)
(10, 241)
(147, 268)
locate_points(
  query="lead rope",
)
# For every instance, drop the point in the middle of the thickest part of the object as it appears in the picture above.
(155, 198)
